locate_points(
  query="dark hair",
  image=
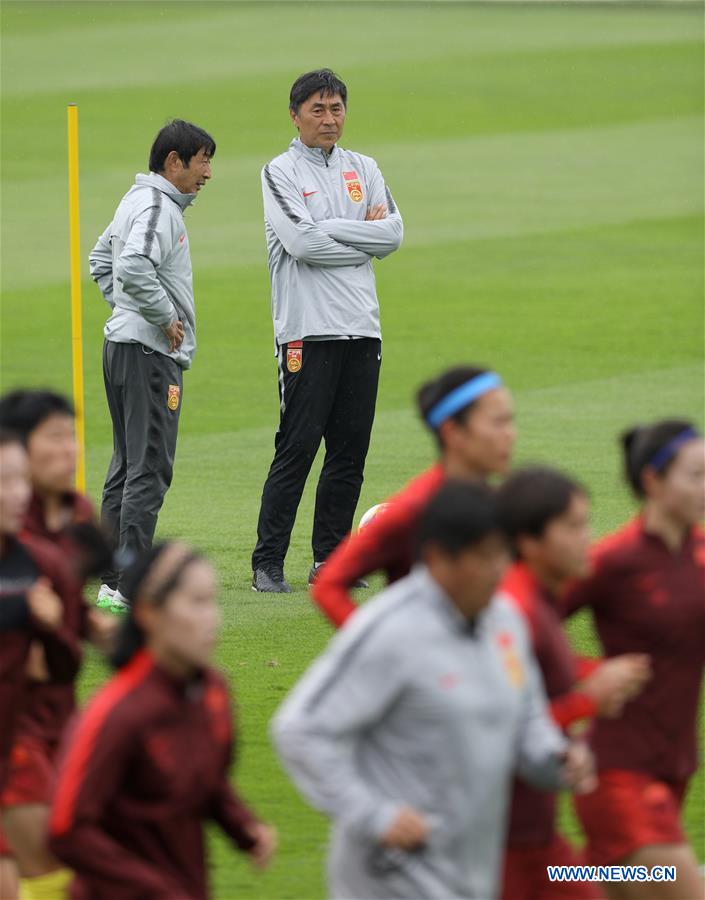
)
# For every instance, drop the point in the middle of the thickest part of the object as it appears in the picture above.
(459, 515)
(533, 497)
(8, 437)
(23, 411)
(131, 638)
(432, 392)
(185, 138)
(320, 81)
(641, 443)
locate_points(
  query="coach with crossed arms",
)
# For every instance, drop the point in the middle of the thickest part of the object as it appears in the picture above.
(328, 213)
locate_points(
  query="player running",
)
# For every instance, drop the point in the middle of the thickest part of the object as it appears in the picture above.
(33, 590)
(647, 595)
(148, 761)
(58, 513)
(61, 517)
(470, 412)
(546, 515)
(408, 729)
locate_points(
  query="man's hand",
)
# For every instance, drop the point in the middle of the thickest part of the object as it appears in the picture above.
(579, 768)
(408, 831)
(375, 213)
(616, 681)
(265, 838)
(45, 607)
(174, 334)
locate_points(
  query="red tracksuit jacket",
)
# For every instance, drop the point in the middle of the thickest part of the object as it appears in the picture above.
(145, 765)
(533, 812)
(21, 564)
(646, 598)
(50, 705)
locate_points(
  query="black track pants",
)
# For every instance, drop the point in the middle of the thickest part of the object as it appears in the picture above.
(144, 391)
(332, 396)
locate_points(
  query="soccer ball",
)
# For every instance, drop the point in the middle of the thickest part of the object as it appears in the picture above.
(371, 514)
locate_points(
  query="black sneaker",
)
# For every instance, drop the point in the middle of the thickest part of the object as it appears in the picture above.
(270, 581)
(315, 569)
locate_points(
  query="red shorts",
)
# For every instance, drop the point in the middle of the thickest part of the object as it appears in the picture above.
(525, 875)
(629, 810)
(30, 776)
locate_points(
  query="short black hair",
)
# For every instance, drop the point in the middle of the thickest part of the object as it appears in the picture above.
(432, 392)
(459, 515)
(531, 498)
(642, 442)
(23, 411)
(184, 137)
(320, 81)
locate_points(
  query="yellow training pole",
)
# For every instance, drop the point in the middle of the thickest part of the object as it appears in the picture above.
(76, 323)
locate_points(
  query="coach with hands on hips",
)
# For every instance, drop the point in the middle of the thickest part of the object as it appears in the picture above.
(328, 212)
(142, 264)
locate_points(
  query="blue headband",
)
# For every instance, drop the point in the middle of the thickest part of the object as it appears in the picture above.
(461, 397)
(669, 450)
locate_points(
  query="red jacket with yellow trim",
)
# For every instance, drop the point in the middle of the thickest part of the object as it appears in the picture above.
(532, 817)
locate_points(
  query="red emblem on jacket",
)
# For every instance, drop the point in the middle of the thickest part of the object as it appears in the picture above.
(352, 183)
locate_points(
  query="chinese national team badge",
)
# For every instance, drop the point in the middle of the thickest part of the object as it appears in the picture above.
(352, 183)
(510, 658)
(294, 355)
(174, 397)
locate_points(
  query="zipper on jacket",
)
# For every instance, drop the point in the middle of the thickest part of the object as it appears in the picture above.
(325, 157)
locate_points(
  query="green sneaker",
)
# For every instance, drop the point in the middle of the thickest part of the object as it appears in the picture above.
(105, 597)
(119, 605)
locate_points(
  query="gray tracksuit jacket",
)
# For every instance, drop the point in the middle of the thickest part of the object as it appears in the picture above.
(142, 264)
(320, 247)
(408, 706)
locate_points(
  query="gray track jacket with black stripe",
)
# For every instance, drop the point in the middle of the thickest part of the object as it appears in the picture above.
(319, 246)
(142, 264)
(408, 706)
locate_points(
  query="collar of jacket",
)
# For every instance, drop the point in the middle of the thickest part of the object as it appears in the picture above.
(448, 610)
(190, 688)
(166, 187)
(316, 155)
(35, 518)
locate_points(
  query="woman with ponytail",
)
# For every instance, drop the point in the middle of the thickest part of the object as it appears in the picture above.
(147, 763)
(647, 595)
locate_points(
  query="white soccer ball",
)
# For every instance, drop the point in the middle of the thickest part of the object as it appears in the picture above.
(371, 514)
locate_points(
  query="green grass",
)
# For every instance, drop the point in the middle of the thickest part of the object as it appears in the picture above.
(548, 162)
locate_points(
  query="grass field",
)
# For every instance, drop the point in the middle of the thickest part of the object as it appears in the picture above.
(548, 163)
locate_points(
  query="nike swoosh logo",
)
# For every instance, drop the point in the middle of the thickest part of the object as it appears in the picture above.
(309, 193)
